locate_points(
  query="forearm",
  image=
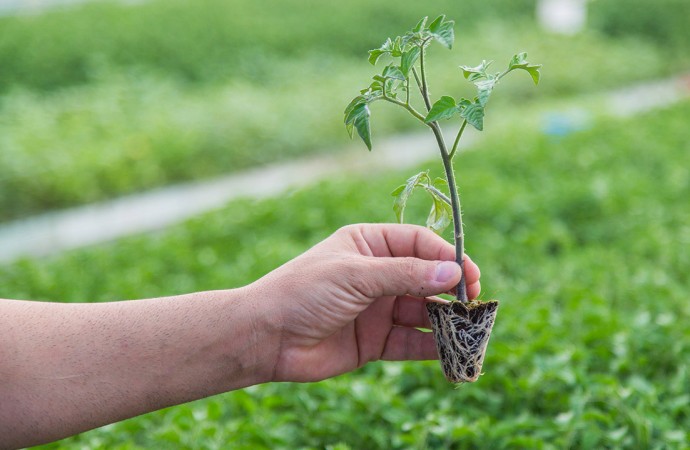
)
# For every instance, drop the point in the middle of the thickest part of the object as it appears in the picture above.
(66, 368)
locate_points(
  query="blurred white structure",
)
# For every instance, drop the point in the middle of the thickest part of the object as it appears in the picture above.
(562, 16)
(31, 6)
(12, 7)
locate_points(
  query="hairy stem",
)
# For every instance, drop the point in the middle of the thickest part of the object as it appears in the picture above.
(457, 139)
(407, 106)
(439, 194)
(458, 236)
(424, 87)
(416, 78)
(461, 289)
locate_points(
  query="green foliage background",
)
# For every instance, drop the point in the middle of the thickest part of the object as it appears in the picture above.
(104, 99)
(584, 238)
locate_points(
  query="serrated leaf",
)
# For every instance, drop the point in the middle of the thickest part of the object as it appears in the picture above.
(534, 72)
(349, 126)
(440, 182)
(436, 23)
(519, 61)
(408, 38)
(444, 108)
(442, 30)
(397, 50)
(391, 86)
(379, 78)
(393, 72)
(398, 190)
(476, 73)
(408, 60)
(402, 193)
(376, 53)
(374, 56)
(357, 118)
(361, 124)
(440, 215)
(355, 101)
(484, 89)
(420, 25)
(474, 114)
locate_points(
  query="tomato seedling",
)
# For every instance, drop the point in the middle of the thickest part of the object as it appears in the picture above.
(462, 327)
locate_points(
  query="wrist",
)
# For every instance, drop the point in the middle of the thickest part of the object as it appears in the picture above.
(251, 337)
(219, 345)
(268, 324)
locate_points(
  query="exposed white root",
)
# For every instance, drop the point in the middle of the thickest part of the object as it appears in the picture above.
(462, 334)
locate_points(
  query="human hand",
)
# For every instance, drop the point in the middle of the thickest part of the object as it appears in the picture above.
(357, 297)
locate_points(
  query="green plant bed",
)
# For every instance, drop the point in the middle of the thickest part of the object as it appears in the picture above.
(584, 238)
(203, 41)
(134, 120)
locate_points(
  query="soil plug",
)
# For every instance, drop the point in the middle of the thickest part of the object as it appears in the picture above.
(462, 334)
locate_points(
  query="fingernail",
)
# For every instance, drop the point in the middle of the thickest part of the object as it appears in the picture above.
(446, 271)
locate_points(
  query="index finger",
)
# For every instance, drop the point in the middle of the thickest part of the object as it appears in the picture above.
(398, 240)
(413, 240)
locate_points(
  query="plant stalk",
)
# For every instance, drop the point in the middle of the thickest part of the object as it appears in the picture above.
(458, 235)
(461, 288)
(439, 194)
(424, 87)
(457, 139)
(407, 106)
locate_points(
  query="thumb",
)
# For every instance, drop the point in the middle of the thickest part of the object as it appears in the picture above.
(410, 276)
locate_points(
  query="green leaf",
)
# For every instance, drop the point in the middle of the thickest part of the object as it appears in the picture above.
(402, 193)
(444, 108)
(440, 215)
(376, 53)
(409, 58)
(390, 86)
(398, 190)
(440, 182)
(357, 118)
(374, 56)
(379, 79)
(362, 126)
(397, 50)
(474, 114)
(441, 212)
(484, 89)
(476, 73)
(519, 61)
(355, 101)
(393, 72)
(442, 30)
(420, 25)
(436, 23)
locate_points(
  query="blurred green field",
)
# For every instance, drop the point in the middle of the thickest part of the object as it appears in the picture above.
(105, 99)
(584, 239)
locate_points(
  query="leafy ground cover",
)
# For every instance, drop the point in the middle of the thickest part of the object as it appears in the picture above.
(103, 99)
(211, 40)
(583, 238)
(208, 40)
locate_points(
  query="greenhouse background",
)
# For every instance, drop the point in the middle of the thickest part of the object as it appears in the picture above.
(169, 127)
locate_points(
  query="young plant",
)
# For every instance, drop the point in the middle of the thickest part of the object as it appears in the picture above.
(461, 328)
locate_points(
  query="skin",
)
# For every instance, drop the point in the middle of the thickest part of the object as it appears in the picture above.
(356, 297)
